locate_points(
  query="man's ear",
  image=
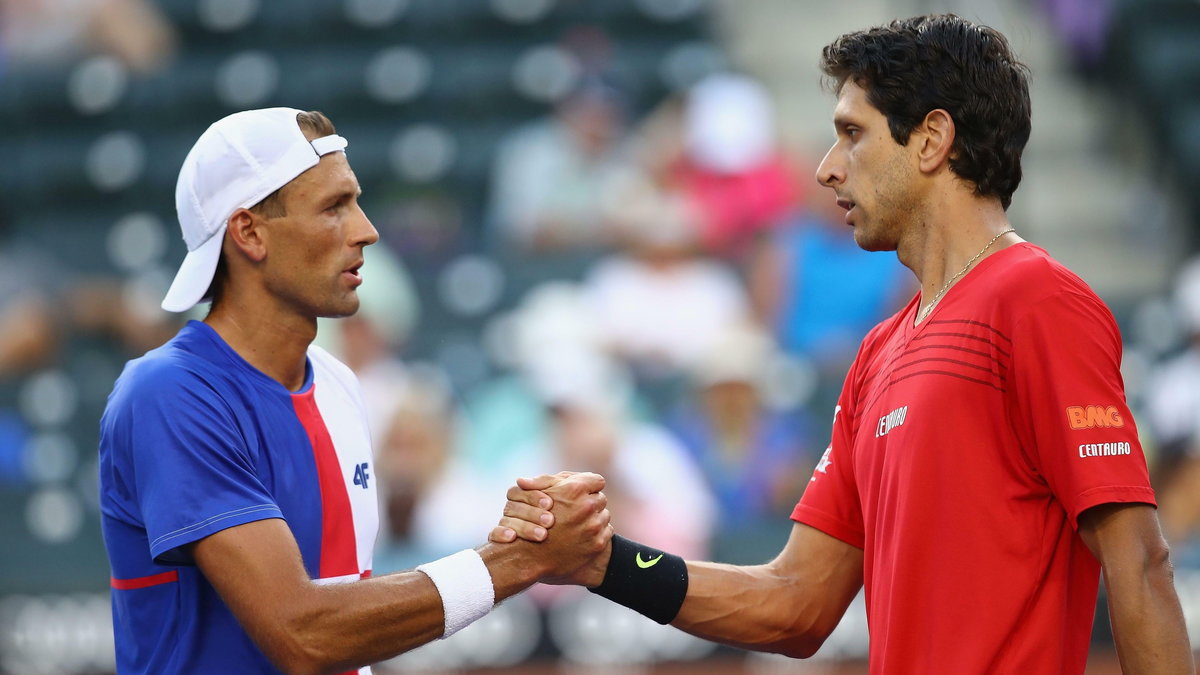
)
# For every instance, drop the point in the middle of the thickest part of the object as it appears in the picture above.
(936, 138)
(247, 234)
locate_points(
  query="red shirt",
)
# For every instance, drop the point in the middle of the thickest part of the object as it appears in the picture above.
(963, 452)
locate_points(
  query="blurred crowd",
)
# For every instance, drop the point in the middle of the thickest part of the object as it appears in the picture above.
(35, 33)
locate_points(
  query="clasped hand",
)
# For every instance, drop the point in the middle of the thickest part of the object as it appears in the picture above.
(575, 508)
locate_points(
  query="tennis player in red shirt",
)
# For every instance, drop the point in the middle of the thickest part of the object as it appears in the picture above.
(984, 467)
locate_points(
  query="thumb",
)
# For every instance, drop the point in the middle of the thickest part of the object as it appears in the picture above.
(590, 482)
(538, 482)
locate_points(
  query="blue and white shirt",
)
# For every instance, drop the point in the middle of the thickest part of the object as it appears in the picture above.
(195, 440)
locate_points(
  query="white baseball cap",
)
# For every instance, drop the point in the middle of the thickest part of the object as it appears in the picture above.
(236, 163)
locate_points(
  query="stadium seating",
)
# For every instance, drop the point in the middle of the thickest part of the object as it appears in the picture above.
(1154, 57)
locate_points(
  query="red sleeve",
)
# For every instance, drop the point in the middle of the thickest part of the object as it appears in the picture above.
(1069, 403)
(830, 503)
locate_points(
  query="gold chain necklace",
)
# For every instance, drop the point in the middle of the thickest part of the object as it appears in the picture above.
(929, 308)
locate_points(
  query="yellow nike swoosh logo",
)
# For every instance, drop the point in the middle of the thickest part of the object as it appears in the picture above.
(647, 563)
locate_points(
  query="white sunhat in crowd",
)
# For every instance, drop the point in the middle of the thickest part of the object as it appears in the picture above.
(729, 124)
(235, 164)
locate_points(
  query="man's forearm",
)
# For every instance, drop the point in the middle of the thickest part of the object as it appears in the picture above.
(1147, 620)
(308, 627)
(342, 626)
(763, 608)
(345, 626)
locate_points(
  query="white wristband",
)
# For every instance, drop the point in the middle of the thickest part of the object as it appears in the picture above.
(465, 585)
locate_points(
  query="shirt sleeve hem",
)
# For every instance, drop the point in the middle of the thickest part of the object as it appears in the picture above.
(829, 525)
(1125, 494)
(163, 547)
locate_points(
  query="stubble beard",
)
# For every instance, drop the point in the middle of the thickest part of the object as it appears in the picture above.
(346, 305)
(877, 235)
(893, 210)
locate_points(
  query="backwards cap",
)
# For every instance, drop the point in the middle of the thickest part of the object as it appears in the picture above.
(236, 163)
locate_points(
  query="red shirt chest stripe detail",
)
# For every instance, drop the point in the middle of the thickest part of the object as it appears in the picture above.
(339, 552)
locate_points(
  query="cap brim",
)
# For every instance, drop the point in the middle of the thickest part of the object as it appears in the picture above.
(194, 275)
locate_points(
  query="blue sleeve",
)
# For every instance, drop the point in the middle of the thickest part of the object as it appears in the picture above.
(193, 472)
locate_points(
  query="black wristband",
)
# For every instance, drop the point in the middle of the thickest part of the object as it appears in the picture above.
(644, 579)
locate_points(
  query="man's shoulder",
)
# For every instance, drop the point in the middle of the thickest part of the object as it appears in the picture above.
(180, 365)
(1032, 285)
(1031, 271)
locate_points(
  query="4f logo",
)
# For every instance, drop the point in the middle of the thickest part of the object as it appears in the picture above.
(361, 476)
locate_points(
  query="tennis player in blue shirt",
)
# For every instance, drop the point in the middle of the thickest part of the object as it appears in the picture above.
(237, 484)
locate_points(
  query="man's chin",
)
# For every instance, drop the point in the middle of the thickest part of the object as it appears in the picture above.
(340, 310)
(867, 242)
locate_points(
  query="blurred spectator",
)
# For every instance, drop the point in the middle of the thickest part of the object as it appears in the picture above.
(819, 291)
(506, 414)
(43, 303)
(51, 31)
(423, 477)
(654, 488)
(753, 457)
(553, 180)
(570, 406)
(660, 304)
(719, 150)
(1173, 410)
(1084, 26)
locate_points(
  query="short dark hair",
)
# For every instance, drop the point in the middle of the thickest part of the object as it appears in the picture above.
(913, 66)
(312, 123)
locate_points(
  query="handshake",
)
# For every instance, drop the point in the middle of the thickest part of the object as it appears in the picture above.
(556, 530)
(560, 524)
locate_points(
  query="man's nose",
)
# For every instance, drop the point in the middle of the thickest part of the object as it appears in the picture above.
(366, 234)
(829, 171)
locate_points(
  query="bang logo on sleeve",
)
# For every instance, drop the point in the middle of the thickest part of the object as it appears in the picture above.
(1093, 416)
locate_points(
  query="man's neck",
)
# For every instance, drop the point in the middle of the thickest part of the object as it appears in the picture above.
(950, 237)
(273, 341)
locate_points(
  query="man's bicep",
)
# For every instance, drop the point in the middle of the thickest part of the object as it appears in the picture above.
(821, 561)
(821, 575)
(1119, 531)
